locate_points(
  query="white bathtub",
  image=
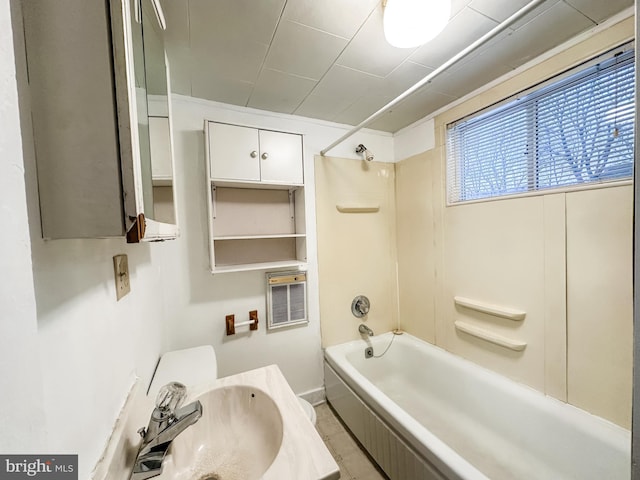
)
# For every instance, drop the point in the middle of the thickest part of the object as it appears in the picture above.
(424, 413)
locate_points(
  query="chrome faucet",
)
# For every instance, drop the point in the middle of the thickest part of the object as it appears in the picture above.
(364, 329)
(166, 423)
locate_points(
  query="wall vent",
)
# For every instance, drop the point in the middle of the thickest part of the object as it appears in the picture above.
(286, 299)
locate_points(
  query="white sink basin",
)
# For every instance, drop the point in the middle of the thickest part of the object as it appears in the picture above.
(237, 438)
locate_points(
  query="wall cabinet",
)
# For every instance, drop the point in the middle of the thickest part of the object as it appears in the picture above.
(90, 74)
(256, 212)
(251, 155)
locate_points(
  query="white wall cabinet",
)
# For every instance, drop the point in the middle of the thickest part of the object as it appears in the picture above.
(247, 154)
(256, 212)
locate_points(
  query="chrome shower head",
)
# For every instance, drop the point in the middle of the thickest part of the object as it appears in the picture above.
(366, 154)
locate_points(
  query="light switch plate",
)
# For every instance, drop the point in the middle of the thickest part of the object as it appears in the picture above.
(121, 272)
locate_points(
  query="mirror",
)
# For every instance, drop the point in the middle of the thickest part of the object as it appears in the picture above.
(156, 74)
(151, 73)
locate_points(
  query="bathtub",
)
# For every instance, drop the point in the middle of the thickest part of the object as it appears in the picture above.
(423, 413)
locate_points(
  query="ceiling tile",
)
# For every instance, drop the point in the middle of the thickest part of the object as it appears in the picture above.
(402, 78)
(418, 106)
(599, 10)
(369, 51)
(498, 10)
(239, 60)
(471, 75)
(553, 27)
(324, 108)
(462, 30)
(339, 17)
(234, 35)
(279, 92)
(208, 84)
(303, 51)
(345, 82)
(457, 5)
(361, 109)
(539, 10)
(230, 21)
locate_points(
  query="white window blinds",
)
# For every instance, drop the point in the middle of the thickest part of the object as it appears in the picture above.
(575, 129)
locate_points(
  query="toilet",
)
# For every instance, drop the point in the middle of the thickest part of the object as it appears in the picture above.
(197, 366)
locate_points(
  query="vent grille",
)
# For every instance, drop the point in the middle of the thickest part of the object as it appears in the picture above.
(286, 299)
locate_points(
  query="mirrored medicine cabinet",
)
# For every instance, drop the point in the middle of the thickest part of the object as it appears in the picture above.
(99, 88)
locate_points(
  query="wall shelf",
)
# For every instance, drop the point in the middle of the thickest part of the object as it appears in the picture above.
(357, 208)
(247, 267)
(258, 237)
(489, 336)
(496, 311)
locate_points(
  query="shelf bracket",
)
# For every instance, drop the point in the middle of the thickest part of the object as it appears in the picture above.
(213, 201)
(292, 205)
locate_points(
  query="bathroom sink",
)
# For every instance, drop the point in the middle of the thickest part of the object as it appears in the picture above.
(237, 438)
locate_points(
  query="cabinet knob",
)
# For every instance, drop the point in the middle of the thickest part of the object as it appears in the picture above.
(254, 154)
(265, 155)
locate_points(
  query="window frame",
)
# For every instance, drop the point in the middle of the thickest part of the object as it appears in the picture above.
(454, 167)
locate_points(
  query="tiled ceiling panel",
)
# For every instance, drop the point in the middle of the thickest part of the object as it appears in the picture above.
(495, 10)
(369, 51)
(599, 11)
(463, 29)
(279, 92)
(303, 50)
(328, 59)
(338, 17)
(553, 26)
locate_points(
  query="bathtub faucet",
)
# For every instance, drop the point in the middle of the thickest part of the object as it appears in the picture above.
(364, 329)
(166, 423)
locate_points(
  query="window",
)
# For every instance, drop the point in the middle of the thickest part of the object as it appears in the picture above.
(575, 129)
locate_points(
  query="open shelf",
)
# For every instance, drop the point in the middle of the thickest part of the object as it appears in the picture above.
(258, 237)
(246, 267)
(256, 228)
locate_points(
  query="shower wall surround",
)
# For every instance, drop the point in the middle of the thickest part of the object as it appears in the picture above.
(356, 250)
(564, 258)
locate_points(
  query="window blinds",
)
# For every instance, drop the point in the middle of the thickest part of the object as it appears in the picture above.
(576, 129)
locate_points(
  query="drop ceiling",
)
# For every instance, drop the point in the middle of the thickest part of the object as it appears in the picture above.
(328, 59)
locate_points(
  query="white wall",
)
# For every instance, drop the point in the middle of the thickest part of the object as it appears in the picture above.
(21, 402)
(200, 300)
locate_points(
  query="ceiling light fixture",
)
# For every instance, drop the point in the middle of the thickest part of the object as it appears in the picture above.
(411, 23)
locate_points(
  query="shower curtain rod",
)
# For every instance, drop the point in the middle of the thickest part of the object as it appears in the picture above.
(487, 36)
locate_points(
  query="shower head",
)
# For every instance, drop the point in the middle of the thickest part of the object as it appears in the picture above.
(366, 154)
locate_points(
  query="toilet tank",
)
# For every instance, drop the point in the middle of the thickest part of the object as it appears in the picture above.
(191, 366)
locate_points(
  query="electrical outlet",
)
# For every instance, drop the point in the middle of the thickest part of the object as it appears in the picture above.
(121, 272)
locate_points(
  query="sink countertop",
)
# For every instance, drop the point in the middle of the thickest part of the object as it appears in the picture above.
(303, 455)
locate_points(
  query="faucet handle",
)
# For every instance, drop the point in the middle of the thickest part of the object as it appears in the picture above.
(170, 397)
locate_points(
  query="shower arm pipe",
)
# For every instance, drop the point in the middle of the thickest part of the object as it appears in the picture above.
(461, 54)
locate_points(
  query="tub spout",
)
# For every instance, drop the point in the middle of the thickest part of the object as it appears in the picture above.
(364, 329)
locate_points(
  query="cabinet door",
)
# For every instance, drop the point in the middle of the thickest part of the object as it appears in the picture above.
(281, 158)
(233, 152)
